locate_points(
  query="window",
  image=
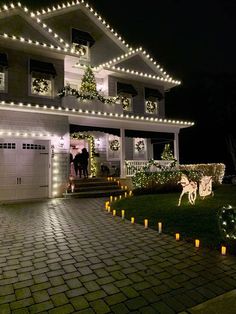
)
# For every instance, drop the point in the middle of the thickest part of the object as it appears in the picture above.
(41, 78)
(126, 103)
(3, 72)
(151, 106)
(126, 93)
(81, 42)
(41, 85)
(2, 79)
(152, 99)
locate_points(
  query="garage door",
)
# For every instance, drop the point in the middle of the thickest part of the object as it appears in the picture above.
(24, 169)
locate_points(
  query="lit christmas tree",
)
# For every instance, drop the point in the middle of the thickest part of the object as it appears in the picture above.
(167, 153)
(88, 84)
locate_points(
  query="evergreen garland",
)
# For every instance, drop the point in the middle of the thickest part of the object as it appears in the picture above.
(88, 91)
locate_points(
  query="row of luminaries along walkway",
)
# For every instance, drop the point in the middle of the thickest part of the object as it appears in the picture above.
(64, 256)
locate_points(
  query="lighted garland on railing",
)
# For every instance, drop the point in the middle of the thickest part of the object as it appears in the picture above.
(151, 163)
(90, 138)
(68, 91)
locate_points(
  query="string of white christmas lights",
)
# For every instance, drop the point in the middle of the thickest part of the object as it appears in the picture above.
(95, 113)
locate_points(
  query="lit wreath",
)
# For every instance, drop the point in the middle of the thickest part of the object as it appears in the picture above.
(40, 85)
(114, 145)
(151, 106)
(140, 145)
(125, 103)
(227, 222)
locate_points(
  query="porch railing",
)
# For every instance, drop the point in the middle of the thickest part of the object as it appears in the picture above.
(136, 165)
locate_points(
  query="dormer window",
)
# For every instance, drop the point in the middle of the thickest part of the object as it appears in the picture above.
(41, 78)
(126, 92)
(3, 72)
(81, 42)
(152, 99)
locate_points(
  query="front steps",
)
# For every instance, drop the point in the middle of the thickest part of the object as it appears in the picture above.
(94, 187)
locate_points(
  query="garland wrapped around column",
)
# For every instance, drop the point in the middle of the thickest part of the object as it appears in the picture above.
(90, 138)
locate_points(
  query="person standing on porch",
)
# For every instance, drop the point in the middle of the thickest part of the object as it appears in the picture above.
(78, 164)
(84, 162)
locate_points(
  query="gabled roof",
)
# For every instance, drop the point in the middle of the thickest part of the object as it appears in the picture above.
(37, 20)
(91, 13)
(156, 72)
(34, 21)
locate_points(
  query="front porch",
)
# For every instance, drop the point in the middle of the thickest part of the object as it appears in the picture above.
(120, 152)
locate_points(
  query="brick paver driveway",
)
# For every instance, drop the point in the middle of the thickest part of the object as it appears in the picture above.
(68, 256)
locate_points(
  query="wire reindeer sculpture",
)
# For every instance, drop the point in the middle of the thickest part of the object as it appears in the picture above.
(189, 187)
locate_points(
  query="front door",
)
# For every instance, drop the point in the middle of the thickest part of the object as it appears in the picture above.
(24, 169)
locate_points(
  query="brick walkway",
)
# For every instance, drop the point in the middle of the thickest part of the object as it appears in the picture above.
(69, 256)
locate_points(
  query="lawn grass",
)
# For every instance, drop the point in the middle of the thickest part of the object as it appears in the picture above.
(198, 221)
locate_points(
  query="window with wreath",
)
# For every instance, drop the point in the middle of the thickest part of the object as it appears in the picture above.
(82, 42)
(41, 78)
(152, 100)
(113, 147)
(3, 72)
(126, 92)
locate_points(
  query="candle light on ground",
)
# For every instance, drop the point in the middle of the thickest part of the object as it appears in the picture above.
(123, 214)
(111, 198)
(114, 212)
(125, 194)
(159, 227)
(130, 193)
(145, 223)
(109, 209)
(223, 250)
(177, 236)
(197, 243)
(132, 220)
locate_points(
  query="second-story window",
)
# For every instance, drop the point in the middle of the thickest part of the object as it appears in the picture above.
(3, 72)
(152, 99)
(126, 92)
(41, 78)
(81, 42)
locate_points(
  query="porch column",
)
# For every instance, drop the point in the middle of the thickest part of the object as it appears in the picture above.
(122, 152)
(176, 146)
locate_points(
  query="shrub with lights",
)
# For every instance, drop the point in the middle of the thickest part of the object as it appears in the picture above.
(164, 179)
(215, 170)
(227, 222)
(227, 226)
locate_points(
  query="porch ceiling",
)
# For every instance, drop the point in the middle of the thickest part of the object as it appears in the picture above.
(128, 133)
(109, 123)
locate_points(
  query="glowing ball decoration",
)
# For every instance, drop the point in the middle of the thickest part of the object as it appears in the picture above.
(227, 222)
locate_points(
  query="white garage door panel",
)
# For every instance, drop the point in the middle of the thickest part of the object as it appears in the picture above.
(7, 181)
(25, 192)
(24, 169)
(7, 193)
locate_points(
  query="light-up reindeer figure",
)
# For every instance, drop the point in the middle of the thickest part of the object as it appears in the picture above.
(189, 187)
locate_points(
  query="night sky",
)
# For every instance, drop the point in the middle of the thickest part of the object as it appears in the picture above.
(190, 40)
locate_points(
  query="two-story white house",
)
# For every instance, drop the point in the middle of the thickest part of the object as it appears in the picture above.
(43, 116)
